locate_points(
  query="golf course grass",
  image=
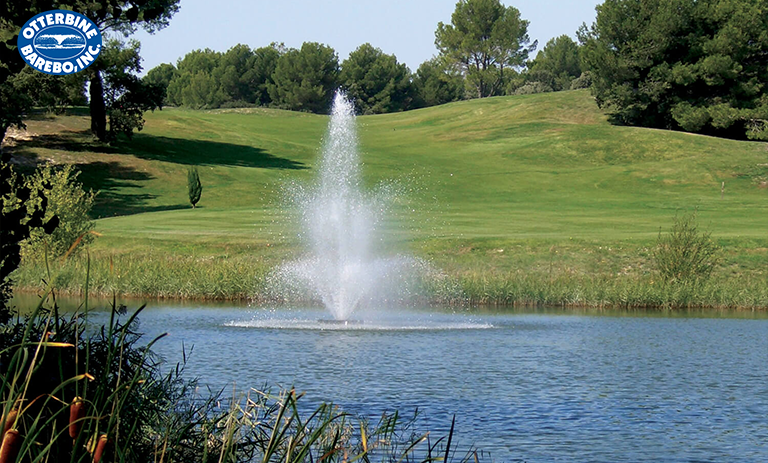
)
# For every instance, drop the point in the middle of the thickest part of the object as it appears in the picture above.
(532, 199)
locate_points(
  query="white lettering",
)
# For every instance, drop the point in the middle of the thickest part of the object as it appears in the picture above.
(85, 59)
(56, 67)
(39, 62)
(26, 50)
(90, 33)
(34, 26)
(84, 25)
(94, 50)
(41, 21)
(67, 67)
(31, 58)
(58, 18)
(47, 67)
(28, 33)
(49, 19)
(69, 19)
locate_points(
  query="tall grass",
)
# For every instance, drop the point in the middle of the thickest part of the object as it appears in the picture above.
(630, 292)
(243, 277)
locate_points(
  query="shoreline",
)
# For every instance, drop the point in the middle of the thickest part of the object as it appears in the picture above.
(468, 303)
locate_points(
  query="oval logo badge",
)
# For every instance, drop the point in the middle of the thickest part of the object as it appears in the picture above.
(59, 42)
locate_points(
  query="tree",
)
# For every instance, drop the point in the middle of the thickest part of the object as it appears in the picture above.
(260, 71)
(305, 79)
(54, 93)
(125, 96)
(194, 187)
(435, 83)
(195, 84)
(557, 64)
(121, 16)
(375, 81)
(485, 39)
(161, 75)
(700, 66)
(209, 79)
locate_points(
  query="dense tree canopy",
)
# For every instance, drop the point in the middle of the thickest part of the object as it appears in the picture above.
(194, 83)
(485, 39)
(557, 64)
(435, 83)
(209, 79)
(305, 79)
(375, 81)
(697, 65)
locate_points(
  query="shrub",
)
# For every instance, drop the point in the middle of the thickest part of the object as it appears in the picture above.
(69, 202)
(194, 187)
(533, 87)
(17, 220)
(685, 254)
(583, 81)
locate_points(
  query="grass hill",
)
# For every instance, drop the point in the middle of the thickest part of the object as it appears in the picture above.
(540, 186)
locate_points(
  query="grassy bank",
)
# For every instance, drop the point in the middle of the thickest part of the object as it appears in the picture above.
(516, 200)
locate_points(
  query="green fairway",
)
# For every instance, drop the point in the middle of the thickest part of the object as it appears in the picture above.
(538, 184)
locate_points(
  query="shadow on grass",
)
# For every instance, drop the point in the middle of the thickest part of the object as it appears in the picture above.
(165, 149)
(112, 178)
(203, 152)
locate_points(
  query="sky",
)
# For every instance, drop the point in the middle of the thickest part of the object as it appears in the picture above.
(405, 28)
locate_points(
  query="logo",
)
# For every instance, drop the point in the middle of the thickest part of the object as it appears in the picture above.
(59, 42)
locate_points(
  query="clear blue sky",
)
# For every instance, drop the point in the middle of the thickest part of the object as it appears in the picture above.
(405, 28)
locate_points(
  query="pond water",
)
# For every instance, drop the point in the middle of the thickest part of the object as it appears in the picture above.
(547, 386)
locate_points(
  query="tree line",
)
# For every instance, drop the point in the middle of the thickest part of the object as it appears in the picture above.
(694, 65)
(305, 79)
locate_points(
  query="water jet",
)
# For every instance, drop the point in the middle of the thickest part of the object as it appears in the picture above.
(340, 225)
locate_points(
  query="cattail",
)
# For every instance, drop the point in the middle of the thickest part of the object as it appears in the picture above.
(10, 447)
(76, 414)
(9, 420)
(101, 447)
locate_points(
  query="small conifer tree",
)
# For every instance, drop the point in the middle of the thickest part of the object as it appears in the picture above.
(195, 188)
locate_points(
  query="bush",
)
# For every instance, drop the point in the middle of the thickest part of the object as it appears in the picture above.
(583, 81)
(685, 255)
(17, 220)
(70, 203)
(533, 87)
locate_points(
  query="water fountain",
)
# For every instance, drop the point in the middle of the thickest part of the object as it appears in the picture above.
(341, 225)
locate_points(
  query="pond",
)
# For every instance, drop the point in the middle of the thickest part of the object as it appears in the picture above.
(538, 386)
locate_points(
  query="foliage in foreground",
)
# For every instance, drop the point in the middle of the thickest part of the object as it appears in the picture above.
(18, 223)
(72, 393)
(68, 201)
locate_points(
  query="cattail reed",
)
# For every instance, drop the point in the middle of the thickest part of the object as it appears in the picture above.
(101, 447)
(11, 446)
(76, 414)
(9, 420)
